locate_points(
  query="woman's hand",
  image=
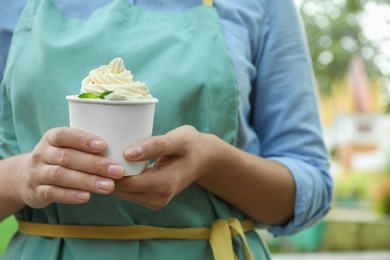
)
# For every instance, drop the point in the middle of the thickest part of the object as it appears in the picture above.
(262, 189)
(181, 159)
(65, 167)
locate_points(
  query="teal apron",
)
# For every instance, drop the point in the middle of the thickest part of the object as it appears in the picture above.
(184, 61)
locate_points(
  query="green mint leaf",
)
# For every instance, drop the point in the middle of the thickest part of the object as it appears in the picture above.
(104, 94)
(87, 95)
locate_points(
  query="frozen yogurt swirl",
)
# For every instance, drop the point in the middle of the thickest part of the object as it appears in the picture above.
(114, 77)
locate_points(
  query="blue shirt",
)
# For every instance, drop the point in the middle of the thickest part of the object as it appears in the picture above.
(278, 114)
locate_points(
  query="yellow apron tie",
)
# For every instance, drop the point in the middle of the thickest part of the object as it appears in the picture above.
(208, 2)
(219, 235)
(236, 228)
(221, 242)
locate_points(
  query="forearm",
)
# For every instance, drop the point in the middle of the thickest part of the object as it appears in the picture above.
(10, 201)
(262, 189)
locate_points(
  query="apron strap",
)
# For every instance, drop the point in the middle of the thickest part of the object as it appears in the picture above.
(221, 242)
(208, 2)
(219, 235)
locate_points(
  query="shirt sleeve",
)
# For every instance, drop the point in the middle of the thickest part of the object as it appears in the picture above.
(9, 13)
(285, 113)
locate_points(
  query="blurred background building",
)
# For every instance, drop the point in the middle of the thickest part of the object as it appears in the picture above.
(349, 44)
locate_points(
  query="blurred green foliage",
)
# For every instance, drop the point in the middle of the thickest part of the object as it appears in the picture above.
(354, 186)
(353, 189)
(335, 33)
(7, 230)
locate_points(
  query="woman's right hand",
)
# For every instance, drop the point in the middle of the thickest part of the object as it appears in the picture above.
(65, 167)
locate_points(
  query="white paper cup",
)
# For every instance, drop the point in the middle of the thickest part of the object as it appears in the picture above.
(119, 123)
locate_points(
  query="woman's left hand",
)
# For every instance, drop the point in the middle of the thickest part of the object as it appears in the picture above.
(262, 189)
(181, 158)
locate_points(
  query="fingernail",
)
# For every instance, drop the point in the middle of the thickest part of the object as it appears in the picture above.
(134, 151)
(83, 196)
(116, 170)
(97, 144)
(104, 185)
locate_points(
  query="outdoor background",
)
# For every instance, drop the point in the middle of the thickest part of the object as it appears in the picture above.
(350, 47)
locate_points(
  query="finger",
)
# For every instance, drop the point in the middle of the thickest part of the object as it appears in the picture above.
(65, 178)
(154, 147)
(149, 180)
(132, 196)
(76, 139)
(84, 162)
(174, 143)
(49, 194)
(143, 199)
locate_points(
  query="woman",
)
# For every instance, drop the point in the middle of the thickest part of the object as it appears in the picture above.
(237, 136)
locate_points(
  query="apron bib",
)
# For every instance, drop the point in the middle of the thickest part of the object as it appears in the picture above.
(182, 58)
